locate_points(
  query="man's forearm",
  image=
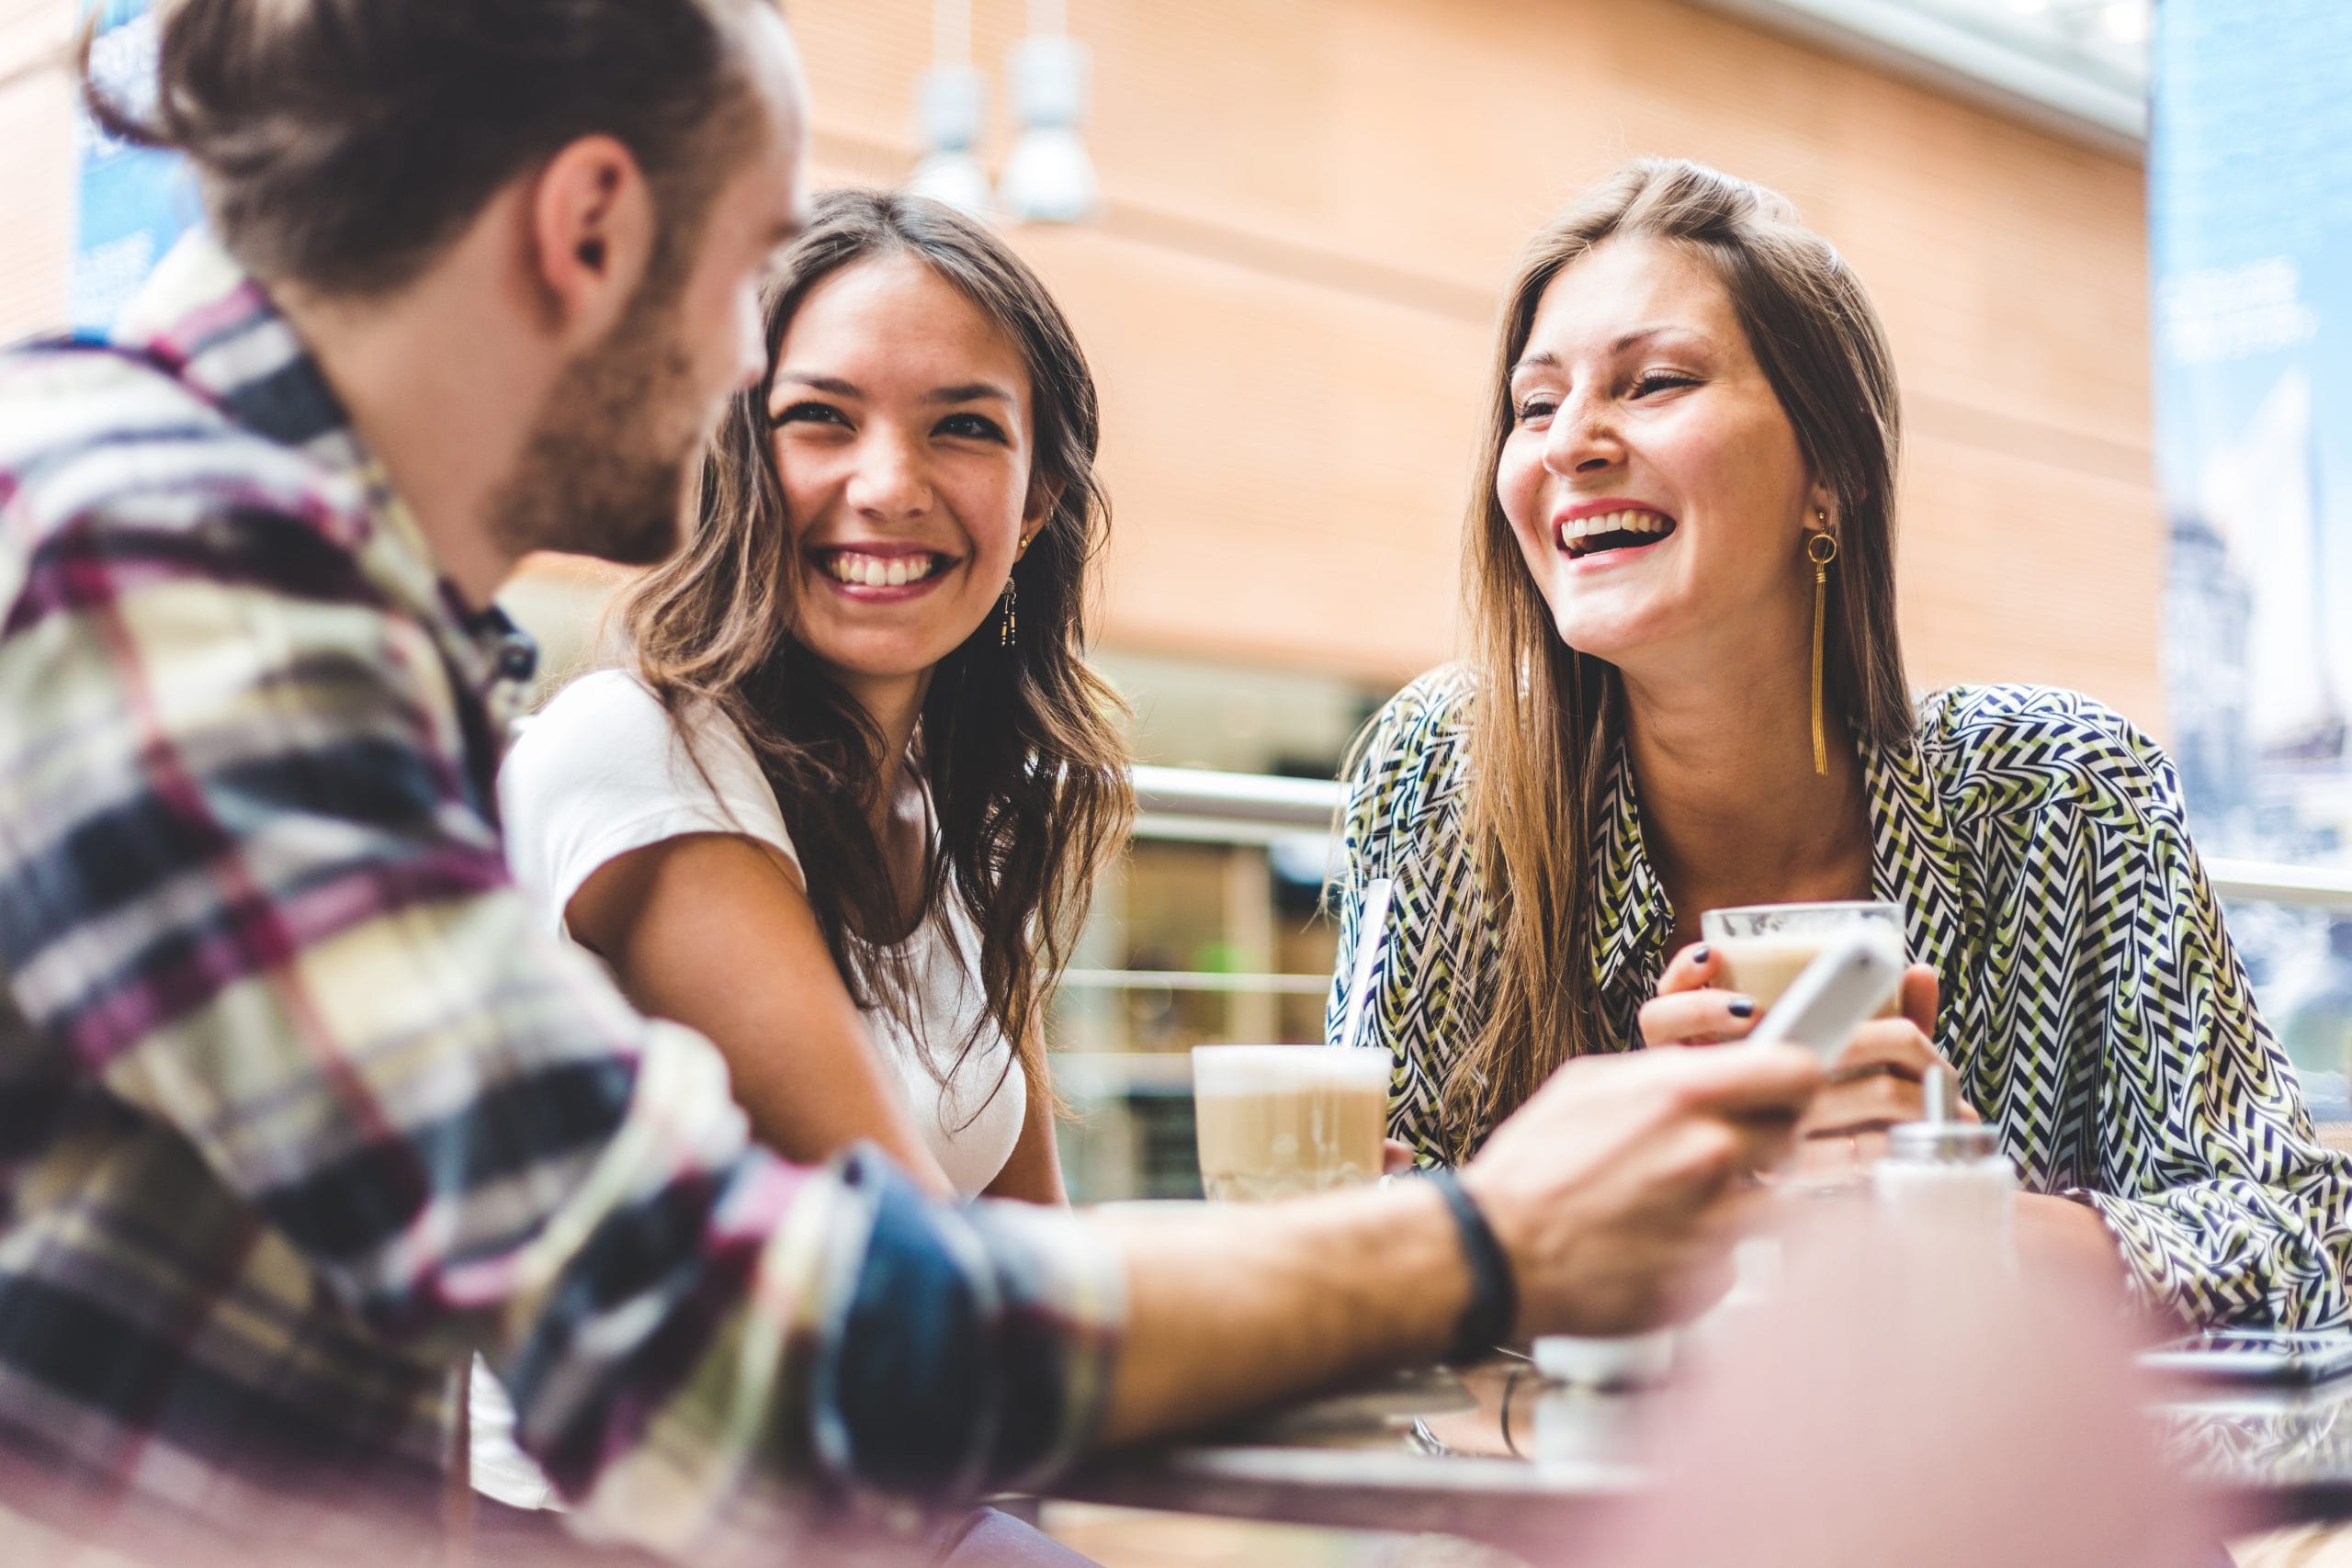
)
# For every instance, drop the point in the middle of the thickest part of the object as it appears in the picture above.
(1238, 1305)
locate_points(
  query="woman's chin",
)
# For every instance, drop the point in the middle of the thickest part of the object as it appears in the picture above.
(1610, 640)
(867, 660)
(1620, 620)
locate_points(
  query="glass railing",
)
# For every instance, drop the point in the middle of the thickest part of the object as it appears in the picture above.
(1212, 936)
(1209, 934)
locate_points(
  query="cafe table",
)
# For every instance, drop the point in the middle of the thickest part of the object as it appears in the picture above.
(1494, 1453)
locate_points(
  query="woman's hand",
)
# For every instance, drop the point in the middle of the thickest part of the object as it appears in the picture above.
(1690, 1008)
(1876, 1082)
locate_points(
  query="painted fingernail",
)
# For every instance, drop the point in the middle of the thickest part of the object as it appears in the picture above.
(1741, 1006)
(1702, 955)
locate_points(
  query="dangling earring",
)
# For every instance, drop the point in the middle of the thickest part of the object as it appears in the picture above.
(1821, 550)
(1008, 623)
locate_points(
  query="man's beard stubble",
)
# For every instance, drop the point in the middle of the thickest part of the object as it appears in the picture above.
(603, 470)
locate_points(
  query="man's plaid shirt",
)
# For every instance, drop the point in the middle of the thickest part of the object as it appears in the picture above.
(298, 1106)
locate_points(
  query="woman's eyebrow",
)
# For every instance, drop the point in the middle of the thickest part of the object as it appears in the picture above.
(1544, 359)
(818, 383)
(1640, 336)
(970, 391)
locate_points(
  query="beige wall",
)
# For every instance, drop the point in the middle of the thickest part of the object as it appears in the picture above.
(1311, 205)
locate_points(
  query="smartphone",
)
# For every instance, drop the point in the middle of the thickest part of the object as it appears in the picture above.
(1849, 980)
(2255, 1354)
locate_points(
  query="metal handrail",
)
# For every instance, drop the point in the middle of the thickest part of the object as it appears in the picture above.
(1196, 980)
(1242, 808)
(1252, 808)
(2268, 881)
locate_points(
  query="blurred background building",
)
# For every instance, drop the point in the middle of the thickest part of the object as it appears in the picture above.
(1302, 211)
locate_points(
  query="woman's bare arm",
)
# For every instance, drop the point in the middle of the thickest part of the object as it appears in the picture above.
(714, 932)
(1034, 1172)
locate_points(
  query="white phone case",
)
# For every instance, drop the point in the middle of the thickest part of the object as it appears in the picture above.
(1823, 1007)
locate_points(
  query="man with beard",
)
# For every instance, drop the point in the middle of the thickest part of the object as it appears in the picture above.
(299, 1108)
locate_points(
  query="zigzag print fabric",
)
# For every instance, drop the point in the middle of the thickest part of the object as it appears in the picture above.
(2092, 1002)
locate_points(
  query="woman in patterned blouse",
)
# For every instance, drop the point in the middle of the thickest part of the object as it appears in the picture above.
(1693, 402)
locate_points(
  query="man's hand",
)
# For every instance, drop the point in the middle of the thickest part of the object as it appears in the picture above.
(1618, 1189)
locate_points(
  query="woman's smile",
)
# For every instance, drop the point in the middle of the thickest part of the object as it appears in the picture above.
(1601, 534)
(881, 574)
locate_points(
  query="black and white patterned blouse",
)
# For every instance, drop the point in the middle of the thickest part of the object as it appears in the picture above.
(2091, 999)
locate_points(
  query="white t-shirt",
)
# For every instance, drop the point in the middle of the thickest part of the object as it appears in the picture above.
(602, 771)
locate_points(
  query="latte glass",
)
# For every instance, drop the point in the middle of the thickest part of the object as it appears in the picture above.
(1277, 1121)
(1766, 946)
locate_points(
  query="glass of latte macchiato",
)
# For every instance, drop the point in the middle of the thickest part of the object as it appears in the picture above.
(1276, 1120)
(1766, 946)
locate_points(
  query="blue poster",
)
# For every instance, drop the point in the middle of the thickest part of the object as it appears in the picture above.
(2250, 187)
(133, 202)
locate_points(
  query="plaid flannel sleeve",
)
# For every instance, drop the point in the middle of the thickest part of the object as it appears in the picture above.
(246, 882)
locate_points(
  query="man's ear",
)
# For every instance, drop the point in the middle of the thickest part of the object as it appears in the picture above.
(592, 236)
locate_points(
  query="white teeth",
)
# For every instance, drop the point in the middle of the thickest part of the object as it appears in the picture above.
(1629, 521)
(879, 572)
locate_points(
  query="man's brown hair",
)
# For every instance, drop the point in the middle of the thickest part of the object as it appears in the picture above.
(343, 143)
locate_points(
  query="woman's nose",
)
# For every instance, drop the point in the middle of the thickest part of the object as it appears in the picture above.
(889, 480)
(1583, 438)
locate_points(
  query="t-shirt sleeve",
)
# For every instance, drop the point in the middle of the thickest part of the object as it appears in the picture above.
(603, 770)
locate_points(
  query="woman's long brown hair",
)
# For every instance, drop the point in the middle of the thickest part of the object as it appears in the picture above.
(1547, 726)
(1028, 775)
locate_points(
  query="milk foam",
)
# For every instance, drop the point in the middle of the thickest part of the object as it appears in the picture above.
(1286, 1070)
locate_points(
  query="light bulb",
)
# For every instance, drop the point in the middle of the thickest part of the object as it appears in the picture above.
(955, 178)
(949, 108)
(1049, 179)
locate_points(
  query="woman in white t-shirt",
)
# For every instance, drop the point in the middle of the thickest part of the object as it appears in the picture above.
(841, 806)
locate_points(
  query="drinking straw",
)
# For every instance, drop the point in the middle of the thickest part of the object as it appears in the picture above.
(1941, 1089)
(1371, 933)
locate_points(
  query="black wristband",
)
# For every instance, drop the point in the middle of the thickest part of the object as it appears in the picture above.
(1493, 1311)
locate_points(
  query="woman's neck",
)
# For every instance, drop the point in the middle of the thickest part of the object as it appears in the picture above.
(893, 704)
(1732, 810)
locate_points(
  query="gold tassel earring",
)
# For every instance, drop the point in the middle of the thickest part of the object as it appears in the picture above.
(1821, 550)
